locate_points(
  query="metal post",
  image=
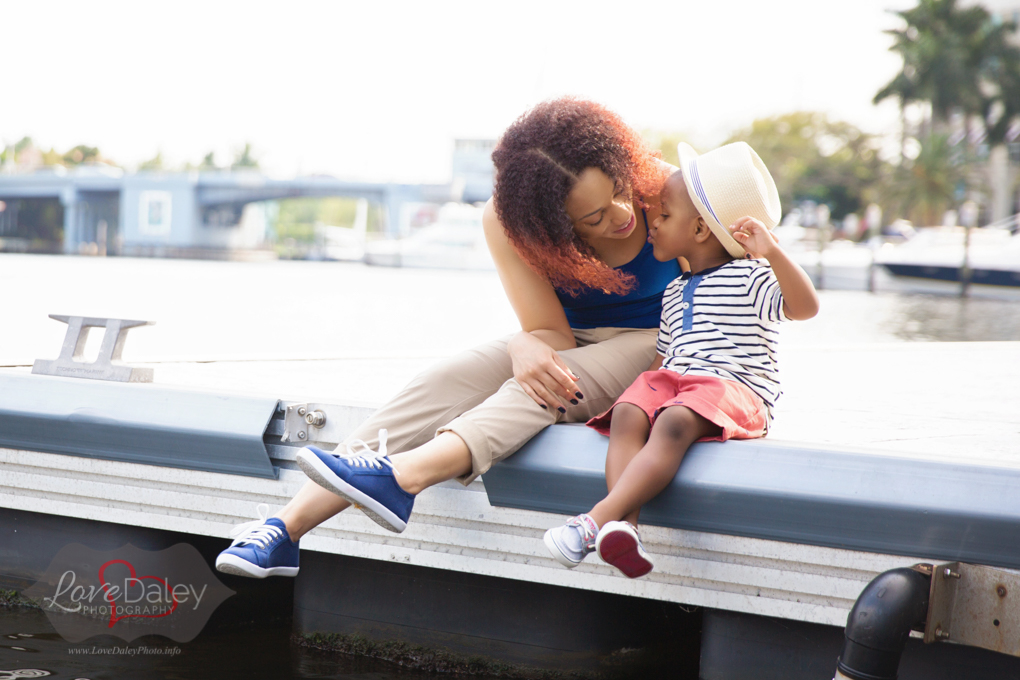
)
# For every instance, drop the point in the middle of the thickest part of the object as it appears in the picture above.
(69, 198)
(823, 241)
(873, 219)
(968, 215)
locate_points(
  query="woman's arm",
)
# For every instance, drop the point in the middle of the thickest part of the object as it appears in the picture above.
(544, 328)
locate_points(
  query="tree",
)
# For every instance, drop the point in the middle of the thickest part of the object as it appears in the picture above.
(52, 157)
(813, 158)
(1000, 108)
(961, 61)
(924, 188)
(665, 142)
(153, 164)
(81, 154)
(22, 144)
(941, 48)
(244, 159)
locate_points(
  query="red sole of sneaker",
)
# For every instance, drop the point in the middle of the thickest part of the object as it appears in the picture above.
(621, 550)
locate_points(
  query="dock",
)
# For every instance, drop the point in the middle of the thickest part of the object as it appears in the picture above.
(296, 340)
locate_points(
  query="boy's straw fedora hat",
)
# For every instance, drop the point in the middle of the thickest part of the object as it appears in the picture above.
(729, 183)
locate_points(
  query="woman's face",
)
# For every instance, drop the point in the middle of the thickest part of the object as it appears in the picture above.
(600, 207)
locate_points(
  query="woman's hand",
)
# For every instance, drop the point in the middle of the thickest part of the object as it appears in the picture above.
(543, 375)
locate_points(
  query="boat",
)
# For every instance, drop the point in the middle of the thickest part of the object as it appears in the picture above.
(933, 261)
(454, 241)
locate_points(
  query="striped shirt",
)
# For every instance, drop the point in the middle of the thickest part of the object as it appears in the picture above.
(723, 322)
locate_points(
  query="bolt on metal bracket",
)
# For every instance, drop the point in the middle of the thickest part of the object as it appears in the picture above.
(108, 365)
(308, 423)
(971, 605)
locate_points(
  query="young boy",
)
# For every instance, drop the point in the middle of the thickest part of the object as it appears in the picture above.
(715, 374)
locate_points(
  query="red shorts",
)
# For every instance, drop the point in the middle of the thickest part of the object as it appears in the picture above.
(732, 406)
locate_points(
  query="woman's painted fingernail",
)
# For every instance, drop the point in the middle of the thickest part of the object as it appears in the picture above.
(574, 402)
(561, 409)
(543, 406)
(578, 395)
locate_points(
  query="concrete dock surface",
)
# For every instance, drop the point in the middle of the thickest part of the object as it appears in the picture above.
(348, 333)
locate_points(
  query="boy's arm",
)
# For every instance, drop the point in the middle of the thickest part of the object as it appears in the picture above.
(800, 301)
(656, 362)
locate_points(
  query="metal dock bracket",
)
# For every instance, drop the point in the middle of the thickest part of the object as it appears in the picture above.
(108, 365)
(304, 423)
(973, 605)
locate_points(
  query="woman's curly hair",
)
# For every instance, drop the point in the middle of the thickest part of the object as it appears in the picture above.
(538, 160)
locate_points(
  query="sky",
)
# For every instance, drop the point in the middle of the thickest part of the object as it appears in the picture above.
(379, 90)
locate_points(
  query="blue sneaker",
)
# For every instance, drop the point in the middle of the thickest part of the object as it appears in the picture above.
(262, 548)
(363, 477)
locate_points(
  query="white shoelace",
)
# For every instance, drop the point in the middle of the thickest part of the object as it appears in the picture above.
(587, 535)
(359, 454)
(256, 532)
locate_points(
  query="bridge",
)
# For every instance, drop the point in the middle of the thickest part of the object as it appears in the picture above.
(186, 212)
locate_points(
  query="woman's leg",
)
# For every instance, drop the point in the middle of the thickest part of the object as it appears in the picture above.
(506, 421)
(430, 400)
(490, 428)
(311, 506)
(655, 465)
(443, 458)
(629, 430)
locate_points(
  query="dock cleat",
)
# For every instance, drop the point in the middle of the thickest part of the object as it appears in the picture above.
(573, 541)
(261, 548)
(618, 544)
(364, 477)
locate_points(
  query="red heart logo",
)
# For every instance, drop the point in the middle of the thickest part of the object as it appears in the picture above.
(113, 609)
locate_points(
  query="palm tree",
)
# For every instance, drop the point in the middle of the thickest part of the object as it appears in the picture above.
(923, 189)
(941, 51)
(1000, 107)
(960, 61)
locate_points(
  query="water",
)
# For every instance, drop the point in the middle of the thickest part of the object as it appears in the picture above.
(208, 311)
(29, 643)
(852, 317)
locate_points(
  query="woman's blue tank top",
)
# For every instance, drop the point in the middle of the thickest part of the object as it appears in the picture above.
(640, 308)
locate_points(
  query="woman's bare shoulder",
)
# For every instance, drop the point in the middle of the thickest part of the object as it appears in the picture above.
(533, 298)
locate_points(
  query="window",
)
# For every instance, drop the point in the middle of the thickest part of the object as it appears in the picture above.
(154, 215)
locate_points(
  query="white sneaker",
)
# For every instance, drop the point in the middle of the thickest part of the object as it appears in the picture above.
(618, 544)
(573, 541)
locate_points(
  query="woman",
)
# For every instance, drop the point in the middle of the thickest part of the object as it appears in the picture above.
(567, 228)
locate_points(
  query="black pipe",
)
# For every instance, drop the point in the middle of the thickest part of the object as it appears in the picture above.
(880, 622)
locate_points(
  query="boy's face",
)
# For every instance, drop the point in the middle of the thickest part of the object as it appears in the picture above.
(672, 232)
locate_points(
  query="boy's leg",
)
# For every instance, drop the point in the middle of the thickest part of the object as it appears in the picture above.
(629, 430)
(655, 465)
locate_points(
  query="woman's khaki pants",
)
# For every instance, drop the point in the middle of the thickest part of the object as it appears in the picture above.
(475, 396)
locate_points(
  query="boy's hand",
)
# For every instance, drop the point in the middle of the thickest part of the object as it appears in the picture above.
(800, 301)
(757, 240)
